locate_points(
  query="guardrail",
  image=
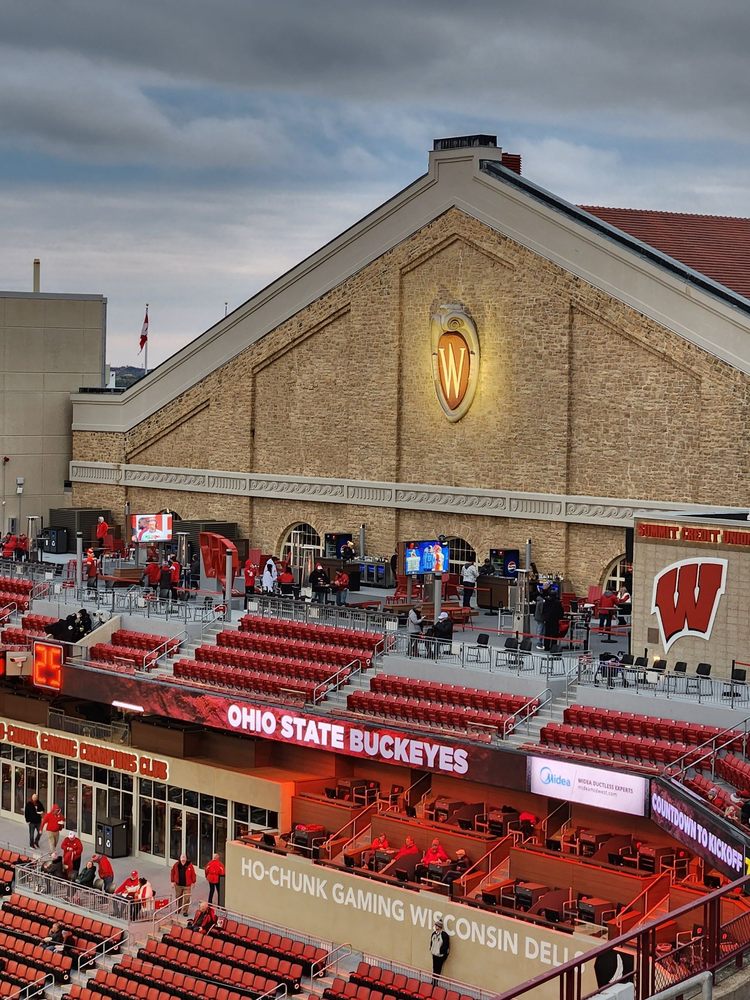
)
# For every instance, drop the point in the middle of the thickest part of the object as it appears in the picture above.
(718, 943)
(33, 880)
(525, 713)
(664, 684)
(336, 681)
(114, 732)
(291, 609)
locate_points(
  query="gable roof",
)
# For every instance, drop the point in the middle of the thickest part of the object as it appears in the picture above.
(715, 245)
(703, 311)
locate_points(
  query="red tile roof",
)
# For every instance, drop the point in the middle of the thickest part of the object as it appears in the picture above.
(717, 246)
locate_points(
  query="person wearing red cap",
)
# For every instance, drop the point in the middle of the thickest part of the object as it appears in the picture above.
(72, 849)
(91, 569)
(128, 892)
(106, 872)
(53, 822)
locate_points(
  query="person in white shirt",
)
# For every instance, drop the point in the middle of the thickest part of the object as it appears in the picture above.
(440, 946)
(469, 575)
(270, 576)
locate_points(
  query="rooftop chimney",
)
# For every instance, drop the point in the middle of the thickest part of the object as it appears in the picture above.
(37, 273)
(511, 161)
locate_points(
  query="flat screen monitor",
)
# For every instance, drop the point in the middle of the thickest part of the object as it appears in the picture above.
(426, 557)
(147, 528)
(268, 839)
(615, 859)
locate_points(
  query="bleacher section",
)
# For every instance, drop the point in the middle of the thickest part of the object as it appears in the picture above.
(444, 706)
(15, 590)
(8, 862)
(88, 932)
(646, 740)
(141, 649)
(372, 982)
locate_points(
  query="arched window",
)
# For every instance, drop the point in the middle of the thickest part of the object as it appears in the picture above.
(616, 574)
(300, 542)
(460, 553)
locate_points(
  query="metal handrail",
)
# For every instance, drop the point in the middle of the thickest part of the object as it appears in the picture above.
(687, 760)
(643, 895)
(513, 835)
(318, 969)
(327, 845)
(336, 680)
(525, 713)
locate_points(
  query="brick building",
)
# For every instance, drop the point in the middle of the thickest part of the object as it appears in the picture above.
(609, 378)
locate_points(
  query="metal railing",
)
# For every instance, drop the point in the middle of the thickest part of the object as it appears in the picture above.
(114, 732)
(716, 943)
(664, 684)
(336, 681)
(32, 880)
(291, 609)
(349, 832)
(527, 712)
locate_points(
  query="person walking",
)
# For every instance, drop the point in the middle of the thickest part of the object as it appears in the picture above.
(33, 814)
(214, 871)
(553, 615)
(183, 879)
(53, 822)
(341, 587)
(440, 946)
(469, 575)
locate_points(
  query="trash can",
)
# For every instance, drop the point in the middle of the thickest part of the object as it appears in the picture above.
(112, 837)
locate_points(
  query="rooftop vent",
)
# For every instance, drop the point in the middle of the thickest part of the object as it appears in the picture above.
(463, 142)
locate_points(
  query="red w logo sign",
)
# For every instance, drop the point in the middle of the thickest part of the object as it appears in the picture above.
(686, 596)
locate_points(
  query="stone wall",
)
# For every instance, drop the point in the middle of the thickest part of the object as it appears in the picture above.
(578, 395)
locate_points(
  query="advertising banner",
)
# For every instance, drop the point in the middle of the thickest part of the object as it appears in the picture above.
(682, 815)
(301, 728)
(589, 786)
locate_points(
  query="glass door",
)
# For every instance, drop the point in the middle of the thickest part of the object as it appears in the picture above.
(183, 833)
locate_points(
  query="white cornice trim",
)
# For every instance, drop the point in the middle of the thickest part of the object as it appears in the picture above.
(608, 511)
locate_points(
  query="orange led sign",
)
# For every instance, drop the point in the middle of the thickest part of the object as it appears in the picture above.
(48, 664)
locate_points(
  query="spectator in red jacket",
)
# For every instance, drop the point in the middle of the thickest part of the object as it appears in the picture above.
(175, 572)
(10, 544)
(129, 887)
(183, 879)
(53, 822)
(204, 917)
(435, 854)
(72, 849)
(214, 871)
(22, 551)
(102, 530)
(152, 574)
(408, 850)
(607, 605)
(91, 568)
(106, 872)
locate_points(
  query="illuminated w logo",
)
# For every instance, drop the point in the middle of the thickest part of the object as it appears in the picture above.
(686, 597)
(450, 374)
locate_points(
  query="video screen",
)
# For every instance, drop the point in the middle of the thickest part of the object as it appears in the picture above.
(426, 557)
(151, 528)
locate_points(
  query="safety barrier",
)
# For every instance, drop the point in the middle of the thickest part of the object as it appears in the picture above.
(32, 880)
(716, 941)
(663, 684)
(291, 609)
(115, 732)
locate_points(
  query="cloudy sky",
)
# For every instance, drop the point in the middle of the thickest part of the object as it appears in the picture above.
(186, 152)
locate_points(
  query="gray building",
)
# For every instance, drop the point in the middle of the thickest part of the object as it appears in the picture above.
(50, 346)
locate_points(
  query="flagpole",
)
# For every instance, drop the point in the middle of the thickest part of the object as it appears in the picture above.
(145, 349)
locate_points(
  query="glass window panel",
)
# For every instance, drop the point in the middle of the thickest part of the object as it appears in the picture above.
(174, 795)
(71, 768)
(58, 765)
(241, 813)
(31, 758)
(101, 804)
(127, 806)
(147, 787)
(272, 818)
(114, 779)
(71, 803)
(42, 761)
(19, 802)
(100, 775)
(7, 787)
(127, 782)
(87, 808)
(257, 816)
(206, 839)
(59, 791)
(31, 781)
(175, 832)
(114, 804)
(207, 803)
(42, 788)
(190, 798)
(86, 772)
(221, 807)
(19, 754)
(159, 829)
(160, 791)
(5, 750)
(220, 837)
(144, 838)
(191, 836)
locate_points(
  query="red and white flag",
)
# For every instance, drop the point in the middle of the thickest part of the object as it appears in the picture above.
(144, 332)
